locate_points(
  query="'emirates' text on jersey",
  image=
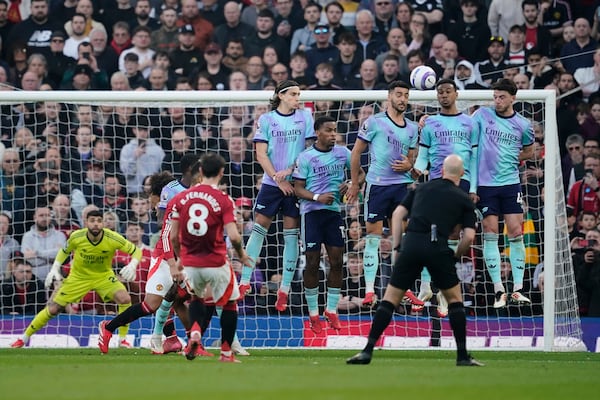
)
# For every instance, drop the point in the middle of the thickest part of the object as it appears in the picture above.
(202, 212)
(285, 135)
(387, 142)
(500, 142)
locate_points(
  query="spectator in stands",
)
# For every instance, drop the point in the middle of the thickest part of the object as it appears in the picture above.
(353, 286)
(279, 73)
(419, 36)
(334, 12)
(589, 77)
(322, 51)
(114, 199)
(165, 37)
(264, 37)
(141, 47)
(36, 30)
(181, 144)
(255, 72)
(142, 16)
(57, 61)
(88, 65)
(470, 33)
(368, 77)
(80, 153)
(9, 244)
(157, 80)
(41, 242)
(5, 26)
(135, 79)
(572, 161)
(122, 12)
(347, 66)
(288, 18)
(537, 35)
(515, 52)
(102, 153)
(490, 70)
(186, 59)
(390, 70)
(303, 38)
(269, 58)
(579, 52)
(106, 57)
(119, 81)
(591, 126)
(584, 193)
(586, 265)
(90, 190)
(121, 37)
(217, 72)
(86, 8)
(369, 43)
(555, 16)
(233, 28)
(203, 29)
(140, 212)
(503, 14)
(77, 35)
(240, 168)
(142, 156)
(433, 10)
(396, 42)
(234, 55)
(24, 293)
(62, 216)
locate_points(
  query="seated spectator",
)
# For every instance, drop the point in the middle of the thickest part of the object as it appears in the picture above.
(41, 242)
(86, 8)
(23, 293)
(181, 144)
(583, 196)
(589, 77)
(353, 286)
(9, 244)
(591, 125)
(63, 217)
(132, 71)
(586, 264)
(465, 77)
(106, 57)
(141, 156)
(234, 55)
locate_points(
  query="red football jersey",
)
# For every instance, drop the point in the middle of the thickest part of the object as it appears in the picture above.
(202, 212)
(163, 245)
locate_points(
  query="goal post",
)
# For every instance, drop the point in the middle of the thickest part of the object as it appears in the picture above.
(561, 329)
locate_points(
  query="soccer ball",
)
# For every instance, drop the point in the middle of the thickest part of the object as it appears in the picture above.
(423, 77)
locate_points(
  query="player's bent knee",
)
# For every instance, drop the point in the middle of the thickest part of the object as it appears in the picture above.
(153, 301)
(55, 309)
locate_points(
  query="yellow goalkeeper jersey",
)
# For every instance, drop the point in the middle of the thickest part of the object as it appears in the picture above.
(92, 259)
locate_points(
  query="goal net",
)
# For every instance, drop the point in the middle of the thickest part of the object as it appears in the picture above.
(62, 150)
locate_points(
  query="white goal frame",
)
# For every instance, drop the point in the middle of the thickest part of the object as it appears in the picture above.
(548, 97)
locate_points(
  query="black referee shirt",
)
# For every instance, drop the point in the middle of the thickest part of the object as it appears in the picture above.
(442, 203)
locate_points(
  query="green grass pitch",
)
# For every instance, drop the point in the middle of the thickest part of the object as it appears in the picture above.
(295, 374)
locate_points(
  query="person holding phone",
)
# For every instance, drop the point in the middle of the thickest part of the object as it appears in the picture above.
(586, 264)
(142, 156)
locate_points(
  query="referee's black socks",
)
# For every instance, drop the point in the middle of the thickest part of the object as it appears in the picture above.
(458, 323)
(382, 319)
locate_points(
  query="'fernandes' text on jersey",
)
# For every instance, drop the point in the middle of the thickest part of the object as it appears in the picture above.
(202, 212)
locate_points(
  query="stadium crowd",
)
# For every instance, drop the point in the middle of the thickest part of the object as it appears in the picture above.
(57, 158)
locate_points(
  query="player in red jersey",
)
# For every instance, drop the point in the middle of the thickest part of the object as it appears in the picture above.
(200, 217)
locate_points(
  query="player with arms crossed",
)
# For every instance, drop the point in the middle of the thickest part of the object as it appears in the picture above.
(280, 137)
(91, 269)
(199, 218)
(435, 208)
(319, 183)
(392, 143)
(449, 132)
(506, 139)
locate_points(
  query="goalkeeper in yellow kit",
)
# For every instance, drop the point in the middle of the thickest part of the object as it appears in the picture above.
(91, 269)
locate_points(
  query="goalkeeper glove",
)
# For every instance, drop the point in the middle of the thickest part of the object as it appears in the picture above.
(53, 275)
(128, 271)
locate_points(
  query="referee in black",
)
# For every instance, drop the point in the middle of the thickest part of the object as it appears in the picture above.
(435, 208)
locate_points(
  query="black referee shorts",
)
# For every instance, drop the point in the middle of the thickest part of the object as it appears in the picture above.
(417, 252)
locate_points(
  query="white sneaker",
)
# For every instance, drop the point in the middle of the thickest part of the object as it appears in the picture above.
(442, 307)
(237, 349)
(518, 298)
(500, 301)
(156, 344)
